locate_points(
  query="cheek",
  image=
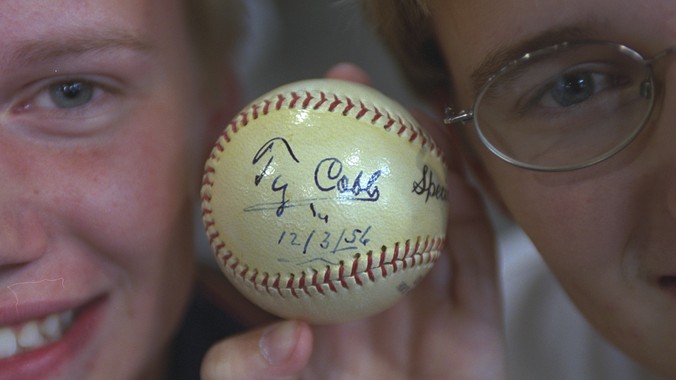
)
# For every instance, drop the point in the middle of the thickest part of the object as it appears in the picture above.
(577, 224)
(131, 201)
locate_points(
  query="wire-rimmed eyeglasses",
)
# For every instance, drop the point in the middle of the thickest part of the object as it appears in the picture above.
(564, 107)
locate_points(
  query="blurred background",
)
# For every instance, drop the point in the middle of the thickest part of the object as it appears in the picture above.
(302, 39)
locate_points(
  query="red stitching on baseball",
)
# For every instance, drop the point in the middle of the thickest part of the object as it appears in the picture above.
(244, 117)
(322, 100)
(308, 99)
(235, 263)
(377, 115)
(354, 272)
(390, 122)
(341, 274)
(316, 284)
(404, 256)
(254, 111)
(395, 263)
(362, 111)
(264, 283)
(225, 134)
(275, 284)
(294, 100)
(349, 106)
(336, 102)
(381, 264)
(289, 285)
(369, 264)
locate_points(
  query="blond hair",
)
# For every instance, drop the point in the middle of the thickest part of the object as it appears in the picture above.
(406, 29)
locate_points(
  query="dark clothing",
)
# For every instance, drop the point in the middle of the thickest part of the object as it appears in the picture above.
(204, 324)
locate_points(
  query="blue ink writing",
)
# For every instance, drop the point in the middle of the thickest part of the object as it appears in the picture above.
(426, 186)
(278, 186)
(329, 177)
(328, 242)
(318, 215)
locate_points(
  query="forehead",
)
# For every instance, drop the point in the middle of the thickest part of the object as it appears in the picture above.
(479, 35)
(34, 20)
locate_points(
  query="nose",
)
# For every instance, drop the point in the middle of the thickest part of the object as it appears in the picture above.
(662, 146)
(22, 234)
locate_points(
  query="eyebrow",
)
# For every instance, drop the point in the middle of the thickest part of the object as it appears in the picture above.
(500, 57)
(75, 43)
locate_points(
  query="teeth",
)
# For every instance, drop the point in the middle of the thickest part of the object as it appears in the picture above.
(66, 317)
(33, 334)
(30, 337)
(51, 327)
(8, 346)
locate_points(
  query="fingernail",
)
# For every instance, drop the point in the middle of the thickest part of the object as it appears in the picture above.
(278, 342)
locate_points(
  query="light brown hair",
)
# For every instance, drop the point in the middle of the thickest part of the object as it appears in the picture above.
(406, 29)
(214, 27)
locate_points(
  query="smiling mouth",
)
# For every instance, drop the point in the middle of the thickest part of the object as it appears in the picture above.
(33, 334)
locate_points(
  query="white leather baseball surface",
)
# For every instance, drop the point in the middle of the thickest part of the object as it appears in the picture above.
(323, 200)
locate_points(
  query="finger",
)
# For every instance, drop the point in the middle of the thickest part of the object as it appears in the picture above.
(280, 351)
(349, 72)
(470, 241)
(471, 244)
(470, 237)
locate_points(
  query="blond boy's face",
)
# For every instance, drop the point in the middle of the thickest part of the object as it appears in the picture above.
(102, 135)
(608, 232)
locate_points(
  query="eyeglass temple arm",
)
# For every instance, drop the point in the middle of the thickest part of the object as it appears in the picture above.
(661, 55)
(451, 117)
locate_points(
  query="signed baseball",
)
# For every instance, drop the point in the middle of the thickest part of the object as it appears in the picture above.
(324, 200)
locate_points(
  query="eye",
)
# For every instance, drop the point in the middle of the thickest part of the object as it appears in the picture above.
(574, 88)
(68, 98)
(65, 95)
(69, 106)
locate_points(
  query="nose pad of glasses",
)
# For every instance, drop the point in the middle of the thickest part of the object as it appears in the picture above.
(646, 89)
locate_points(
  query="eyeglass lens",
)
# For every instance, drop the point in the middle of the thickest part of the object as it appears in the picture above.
(565, 108)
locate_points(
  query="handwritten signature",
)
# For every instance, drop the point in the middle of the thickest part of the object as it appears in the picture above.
(278, 185)
(329, 177)
(426, 186)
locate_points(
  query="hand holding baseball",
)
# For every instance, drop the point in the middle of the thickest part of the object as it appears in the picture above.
(449, 326)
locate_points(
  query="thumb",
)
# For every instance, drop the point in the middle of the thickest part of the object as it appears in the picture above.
(279, 351)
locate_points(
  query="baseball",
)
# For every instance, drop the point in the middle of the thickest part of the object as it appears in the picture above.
(324, 200)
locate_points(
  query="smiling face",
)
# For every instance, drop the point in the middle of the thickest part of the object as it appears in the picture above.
(608, 232)
(103, 132)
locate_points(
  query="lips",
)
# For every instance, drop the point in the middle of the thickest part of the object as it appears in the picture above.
(43, 344)
(33, 334)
